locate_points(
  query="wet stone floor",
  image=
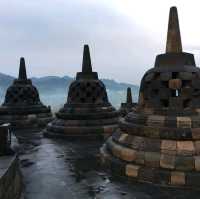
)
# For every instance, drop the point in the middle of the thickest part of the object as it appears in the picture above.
(60, 169)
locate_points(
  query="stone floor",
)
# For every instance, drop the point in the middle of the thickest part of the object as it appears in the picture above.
(59, 169)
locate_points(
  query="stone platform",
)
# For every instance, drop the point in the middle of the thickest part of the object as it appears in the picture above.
(10, 178)
(58, 168)
(11, 184)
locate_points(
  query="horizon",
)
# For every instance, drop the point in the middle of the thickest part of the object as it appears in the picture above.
(124, 35)
(59, 76)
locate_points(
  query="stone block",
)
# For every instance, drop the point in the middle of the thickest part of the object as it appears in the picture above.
(132, 170)
(162, 176)
(185, 148)
(164, 93)
(166, 76)
(152, 159)
(184, 122)
(175, 84)
(156, 120)
(196, 133)
(197, 163)
(123, 137)
(193, 179)
(186, 93)
(167, 161)
(153, 132)
(146, 174)
(197, 147)
(140, 157)
(185, 163)
(177, 178)
(169, 145)
(185, 75)
(152, 145)
(176, 103)
(127, 154)
(138, 143)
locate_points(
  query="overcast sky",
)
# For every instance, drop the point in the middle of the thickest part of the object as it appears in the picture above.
(124, 35)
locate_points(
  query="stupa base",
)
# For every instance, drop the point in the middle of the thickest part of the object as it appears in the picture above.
(179, 167)
(66, 129)
(30, 121)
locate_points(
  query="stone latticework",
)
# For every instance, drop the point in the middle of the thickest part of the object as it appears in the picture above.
(129, 105)
(87, 113)
(22, 106)
(159, 142)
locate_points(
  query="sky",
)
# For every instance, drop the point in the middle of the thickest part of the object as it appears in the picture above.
(124, 35)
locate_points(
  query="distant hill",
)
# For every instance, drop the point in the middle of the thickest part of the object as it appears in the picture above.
(53, 89)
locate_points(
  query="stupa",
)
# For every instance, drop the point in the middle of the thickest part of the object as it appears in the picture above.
(159, 142)
(22, 106)
(129, 105)
(87, 113)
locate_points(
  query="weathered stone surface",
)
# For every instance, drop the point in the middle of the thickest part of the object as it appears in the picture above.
(185, 163)
(152, 159)
(192, 179)
(132, 170)
(140, 157)
(168, 145)
(123, 138)
(155, 120)
(185, 148)
(175, 84)
(196, 133)
(197, 163)
(197, 147)
(128, 154)
(164, 128)
(184, 122)
(177, 178)
(167, 161)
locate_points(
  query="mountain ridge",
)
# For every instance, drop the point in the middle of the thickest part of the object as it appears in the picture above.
(53, 89)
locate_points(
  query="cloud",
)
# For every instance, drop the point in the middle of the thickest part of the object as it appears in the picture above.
(51, 34)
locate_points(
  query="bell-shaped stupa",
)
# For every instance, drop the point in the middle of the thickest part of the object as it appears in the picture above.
(129, 105)
(87, 113)
(159, 142)
(22, 106)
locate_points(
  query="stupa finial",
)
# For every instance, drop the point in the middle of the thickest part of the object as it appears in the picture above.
(22, 69)
(86, 65)
(174, 44)
(129, 96)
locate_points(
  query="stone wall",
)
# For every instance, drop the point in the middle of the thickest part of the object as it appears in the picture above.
(10, 178)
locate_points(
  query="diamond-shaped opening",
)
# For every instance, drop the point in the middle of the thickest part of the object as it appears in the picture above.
(82, 99)
(186, 83)
(174, 75)
(165, 102)
(175, 93)
(186, 103)
(156, 75)
(165, 84)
